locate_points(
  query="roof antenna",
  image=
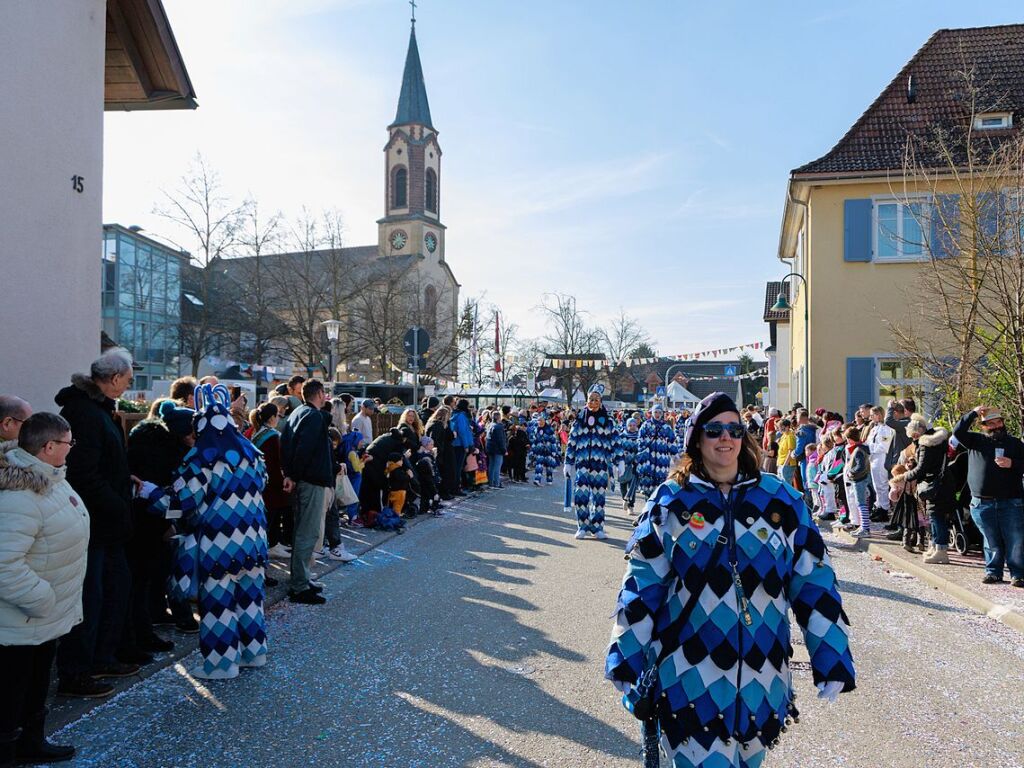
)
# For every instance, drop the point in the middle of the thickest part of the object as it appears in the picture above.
(413, 4)
(911, 90)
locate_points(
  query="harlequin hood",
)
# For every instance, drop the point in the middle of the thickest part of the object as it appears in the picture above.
(216, 436)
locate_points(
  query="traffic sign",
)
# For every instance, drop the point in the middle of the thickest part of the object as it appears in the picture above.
(416, 341)
(730, 370)
(660, 392)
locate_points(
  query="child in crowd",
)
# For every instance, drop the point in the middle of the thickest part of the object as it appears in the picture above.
(811, 452)
(787, 459)
(518, 447)
(426, 470)
(826, 490)
(397, 481)
(353, 447)
(906, 510)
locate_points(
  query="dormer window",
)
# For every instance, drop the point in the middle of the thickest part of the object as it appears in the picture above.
(991, 121)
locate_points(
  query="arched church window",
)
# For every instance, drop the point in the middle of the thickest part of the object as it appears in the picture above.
(400, 189)
(430, 308)
(431, 201)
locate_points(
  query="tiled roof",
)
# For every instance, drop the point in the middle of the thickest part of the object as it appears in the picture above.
(878, 139)
(771, 294)
(413, 106)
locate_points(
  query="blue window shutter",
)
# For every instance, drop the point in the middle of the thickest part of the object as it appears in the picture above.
(945, 226)
(857, 230)
(860, 383)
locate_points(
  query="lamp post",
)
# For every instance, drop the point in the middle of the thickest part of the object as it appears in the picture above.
(333, 328)
(782, 305)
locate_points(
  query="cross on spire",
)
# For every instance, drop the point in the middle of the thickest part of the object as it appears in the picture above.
(413, 4)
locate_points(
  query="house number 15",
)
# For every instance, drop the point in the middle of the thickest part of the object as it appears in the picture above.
(78, 183)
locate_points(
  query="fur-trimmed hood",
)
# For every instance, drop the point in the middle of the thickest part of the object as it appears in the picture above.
(19, 471)
(934, 437)
(82, 387)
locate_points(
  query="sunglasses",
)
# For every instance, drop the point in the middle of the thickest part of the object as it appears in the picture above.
(714, 430)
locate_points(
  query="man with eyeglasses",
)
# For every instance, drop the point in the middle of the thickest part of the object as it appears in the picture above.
(995, 467)
(13, 412)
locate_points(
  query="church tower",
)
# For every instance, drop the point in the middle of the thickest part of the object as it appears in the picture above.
(412, 162)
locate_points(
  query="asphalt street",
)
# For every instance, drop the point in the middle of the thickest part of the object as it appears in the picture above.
(478, 639)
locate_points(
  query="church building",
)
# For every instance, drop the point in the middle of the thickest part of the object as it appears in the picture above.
(376, 291)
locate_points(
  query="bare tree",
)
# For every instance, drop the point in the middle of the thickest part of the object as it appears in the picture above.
(569, 335)
(964, 328)
(211, 222)
(622, 335)
(261, 330)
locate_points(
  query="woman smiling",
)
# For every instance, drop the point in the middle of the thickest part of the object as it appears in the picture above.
(701, 642)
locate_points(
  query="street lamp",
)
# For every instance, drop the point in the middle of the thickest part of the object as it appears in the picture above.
(333, 328)
(782, 305)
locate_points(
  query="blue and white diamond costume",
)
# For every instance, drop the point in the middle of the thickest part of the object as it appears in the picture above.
(724, 694)
(544, 452)
(657, 445)
(592, 451)
(217, 494)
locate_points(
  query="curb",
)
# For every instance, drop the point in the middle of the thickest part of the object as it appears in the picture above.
(71, 710)
(972, 600)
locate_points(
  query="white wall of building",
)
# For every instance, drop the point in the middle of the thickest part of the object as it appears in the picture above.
(779, 369)
(51, 124)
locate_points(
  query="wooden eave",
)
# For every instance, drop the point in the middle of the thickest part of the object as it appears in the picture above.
(144, 68)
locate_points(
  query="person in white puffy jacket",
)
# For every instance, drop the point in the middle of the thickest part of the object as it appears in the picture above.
(44, 535)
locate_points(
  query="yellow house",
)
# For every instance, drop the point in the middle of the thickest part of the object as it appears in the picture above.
(854, 237)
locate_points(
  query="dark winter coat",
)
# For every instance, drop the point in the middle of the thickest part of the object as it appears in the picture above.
(929, 464)
(396, 440)
(98, 463)
(987, 479)
(306, 447)
(154, 454)
(269, 442)
(900, 440)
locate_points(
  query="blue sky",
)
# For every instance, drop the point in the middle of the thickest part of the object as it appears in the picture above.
(633, 154)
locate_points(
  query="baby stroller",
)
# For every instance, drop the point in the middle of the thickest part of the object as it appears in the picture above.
(964, 535)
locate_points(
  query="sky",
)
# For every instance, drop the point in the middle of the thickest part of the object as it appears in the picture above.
(632, 154)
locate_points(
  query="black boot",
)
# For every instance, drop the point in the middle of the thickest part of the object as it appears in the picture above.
(32, 746)
(7, 742)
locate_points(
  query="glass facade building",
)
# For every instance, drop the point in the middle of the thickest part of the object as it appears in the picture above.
(141, 284)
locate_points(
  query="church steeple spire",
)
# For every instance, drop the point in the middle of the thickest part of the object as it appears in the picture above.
(413, 107)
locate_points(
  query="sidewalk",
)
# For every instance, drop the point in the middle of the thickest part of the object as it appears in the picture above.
(358, 541)
(960, 579)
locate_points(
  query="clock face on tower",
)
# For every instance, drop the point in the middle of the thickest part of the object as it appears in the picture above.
(430, 240)
(398, 239)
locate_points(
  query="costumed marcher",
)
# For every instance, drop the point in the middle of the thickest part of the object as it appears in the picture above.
(544, 450)
(701, 642)
(590, 455)
(218, 496)
(655, 446)
(628, 447)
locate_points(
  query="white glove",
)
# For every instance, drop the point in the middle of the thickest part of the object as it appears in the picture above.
(147, 489)
(620, 468)
(830, 690)
(568, 469)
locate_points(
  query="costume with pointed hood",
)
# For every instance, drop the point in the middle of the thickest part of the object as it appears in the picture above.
(591, 453)
(544, 451)
(217, 494)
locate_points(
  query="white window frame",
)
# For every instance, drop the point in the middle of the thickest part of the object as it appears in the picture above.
(1005, 121)
(923, 384)
(901, 203)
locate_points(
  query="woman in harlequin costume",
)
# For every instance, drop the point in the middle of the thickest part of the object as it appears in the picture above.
(217, 493)
(656, 446)
(543, 450)
(627, 438)
(590, 455)
(718, 560)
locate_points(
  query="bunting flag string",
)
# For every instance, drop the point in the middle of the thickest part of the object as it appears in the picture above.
(739, 377)
(559, 363)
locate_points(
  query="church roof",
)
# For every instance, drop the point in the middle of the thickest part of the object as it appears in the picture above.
(413, 106)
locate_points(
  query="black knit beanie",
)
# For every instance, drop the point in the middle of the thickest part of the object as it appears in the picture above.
(713, 405)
